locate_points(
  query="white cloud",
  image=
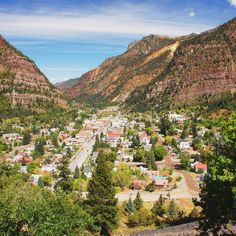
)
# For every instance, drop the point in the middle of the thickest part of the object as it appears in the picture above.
(126, 19)
(232, 2)
(192, 13)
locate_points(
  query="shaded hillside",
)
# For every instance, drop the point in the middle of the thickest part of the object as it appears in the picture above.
(22, 82)
(66, 84)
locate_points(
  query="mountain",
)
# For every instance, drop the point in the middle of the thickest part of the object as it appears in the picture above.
(22, 82)
(66, 84)
(157, 71)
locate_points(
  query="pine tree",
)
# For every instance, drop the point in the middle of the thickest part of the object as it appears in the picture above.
(76, 173)
(68, 153)
(64, 180)
(172, 211)
(138, 202)
(129, 206)
(26, 138)
(158, 207)
(101, 200)
(40, 182)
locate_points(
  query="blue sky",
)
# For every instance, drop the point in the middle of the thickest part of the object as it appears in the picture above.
(66, 38)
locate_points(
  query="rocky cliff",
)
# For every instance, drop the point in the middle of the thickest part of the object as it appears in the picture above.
(22, 82)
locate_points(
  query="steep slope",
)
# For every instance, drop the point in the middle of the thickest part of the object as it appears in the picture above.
(159, 70)
(117, 77)
(22, 82)
(203, 66)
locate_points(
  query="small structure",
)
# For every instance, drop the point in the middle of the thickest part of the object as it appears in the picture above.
(185, 144)
(139, 184)
(144, 138)
(160, 181)
(199, 166)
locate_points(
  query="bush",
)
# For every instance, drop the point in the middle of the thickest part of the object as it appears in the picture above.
(150, 187)
(142, 217)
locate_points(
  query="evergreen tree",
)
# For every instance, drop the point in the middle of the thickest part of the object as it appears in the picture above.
(39, 146)
(159, 207)
(138, 202)
(101, 200)
(40, 182)
(76, 173)
(172, 211)
(64, 180)
(26, 138)
(129, 206)
(68, 153)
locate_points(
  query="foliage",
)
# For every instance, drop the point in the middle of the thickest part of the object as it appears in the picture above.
(138, 202)
(159, 207)
(129, 207)
(160, 152)
(36, 211)
(101, 201)
(64, 181)
(122, 176)
(218, 191)
(185, 160)
(26, 138)
(172, 211)
(142, 217)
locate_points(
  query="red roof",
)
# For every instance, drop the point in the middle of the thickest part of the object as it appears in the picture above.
(200, 165)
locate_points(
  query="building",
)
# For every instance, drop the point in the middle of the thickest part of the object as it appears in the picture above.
(139, 184)
(185, 144)
(160, 181)
(144, 138)
(199, 166)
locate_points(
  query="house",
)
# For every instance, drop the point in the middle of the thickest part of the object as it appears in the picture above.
(48, 168)
(139, 184)
(144, 138)
(114, 135)
(173, 116)
(185, 144)
(199, 166)
(160, 181)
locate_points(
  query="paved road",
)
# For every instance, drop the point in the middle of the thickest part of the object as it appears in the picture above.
(82, 155)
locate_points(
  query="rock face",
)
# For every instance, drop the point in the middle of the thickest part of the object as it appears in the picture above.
(161, 70)
(22, 81)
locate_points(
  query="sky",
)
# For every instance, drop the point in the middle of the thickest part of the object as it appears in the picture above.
(66, 38)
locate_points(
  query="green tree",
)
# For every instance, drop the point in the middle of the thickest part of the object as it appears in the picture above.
(139, 155)
(76, 173)
(40, 182)
(35, 211)
(26, 138)
(101, 200)
(122, 177)
(218, 191)
(138, 202)
(159, 207)
(129, 206)
(185, 160)
(172, 211)
(39, 146)
(150, 160)
(64, 181)
(160, 152)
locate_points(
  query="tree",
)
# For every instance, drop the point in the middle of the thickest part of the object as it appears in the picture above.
(101, 201)
(135, 141)
(150, 160)
(122, 177)
(40, 182)
(197, 143)
(172, 211)
(26, 138)
(168, 140)
(129, 206)
(35, 211)
(139, 155)
(159, 152)
(185, 160)
(64, 181)
(138, 202)
(159, 207)
(68, 153)
(140, 218)
(76, 173)
(54, 137)
(165, 124)
(184, 133)
(149, 130)
(218, 191)
(39, 146)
